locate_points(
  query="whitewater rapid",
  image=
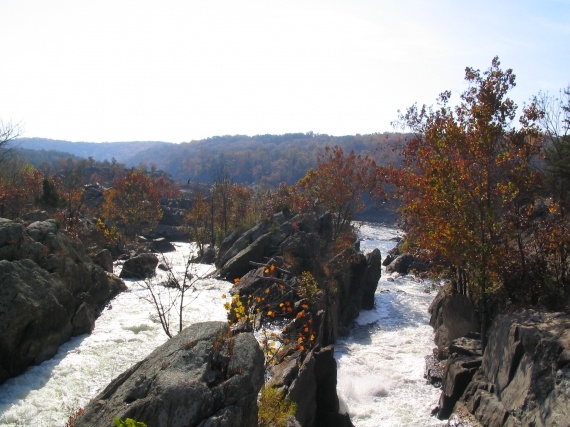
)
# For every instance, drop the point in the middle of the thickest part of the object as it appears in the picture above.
(380, 365)
(381, 362)
(125, 333)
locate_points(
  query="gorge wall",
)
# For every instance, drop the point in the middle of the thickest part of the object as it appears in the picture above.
(50, 290)
(521, 379)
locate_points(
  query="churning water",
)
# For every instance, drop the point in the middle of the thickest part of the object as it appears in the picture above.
(126, 332)
(380, 365)
(381, 362)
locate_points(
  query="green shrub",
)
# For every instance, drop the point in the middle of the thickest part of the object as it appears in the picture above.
(129, 422)
(275, 410)
(308, 287)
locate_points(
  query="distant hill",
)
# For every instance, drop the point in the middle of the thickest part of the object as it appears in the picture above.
(260, 159)
(124, 152)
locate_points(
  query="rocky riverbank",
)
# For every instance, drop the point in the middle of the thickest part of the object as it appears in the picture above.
(50, 290)
(522, 378)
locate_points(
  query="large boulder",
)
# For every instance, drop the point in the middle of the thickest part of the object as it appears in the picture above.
(49, 291)
(202, 377)
(310, 381)
(139, 267)
(457, 376)
(452, 316)
(161, 246)
(352, 285)
(524, 378)
(371, 277)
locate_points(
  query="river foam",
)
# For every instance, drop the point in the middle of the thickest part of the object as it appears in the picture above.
(381, 362)
(126, 332)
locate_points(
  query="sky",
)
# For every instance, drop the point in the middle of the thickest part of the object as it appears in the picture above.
(183, 70)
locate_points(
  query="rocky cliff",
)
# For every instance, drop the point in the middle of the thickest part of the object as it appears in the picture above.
(50, 290)
(202, 377)
(275, 264)
(523, 376)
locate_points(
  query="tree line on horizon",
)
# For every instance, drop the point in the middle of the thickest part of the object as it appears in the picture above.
(257, 160)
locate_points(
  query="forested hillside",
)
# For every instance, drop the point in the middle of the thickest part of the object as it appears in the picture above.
(261, 159)
(121, 151)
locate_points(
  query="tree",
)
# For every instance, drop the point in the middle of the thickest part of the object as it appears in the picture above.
(551, 242)
(20, 187)
(338, 183)
(8, 132)
(133, 204)
(169, 300)
(555, 123)
(199, 222)
(465, 175)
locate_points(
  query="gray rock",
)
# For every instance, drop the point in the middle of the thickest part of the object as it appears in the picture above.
(39, 230)
(458, 373)
(391, 255)
(161, 246)
(36, 215)
(371, 278)
(104, 259)
(140, 267)
(401, 264)
(433, 371)
(452, 316)
(201, 377)
(11, 237)
(49, 291)
(310, 381)
(171, 233)
(524, 378)
(93, 195)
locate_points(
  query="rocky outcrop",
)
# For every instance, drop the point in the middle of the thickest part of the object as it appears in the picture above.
(458, 373)
(452, 316)
(398, 261)
(104, 259)
(371, 277)
(274, 259)
(170, 233)
(257, 244)
(49, 291)
(524, 378)
(311, 384)
(202, 377)
(93, 195)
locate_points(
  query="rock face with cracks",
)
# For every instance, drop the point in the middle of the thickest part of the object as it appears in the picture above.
(50, 290)
(202, 377)
(524, 378)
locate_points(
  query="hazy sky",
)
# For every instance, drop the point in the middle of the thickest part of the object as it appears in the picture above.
(121, 70)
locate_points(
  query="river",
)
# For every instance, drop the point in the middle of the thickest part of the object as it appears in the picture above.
(380, 364)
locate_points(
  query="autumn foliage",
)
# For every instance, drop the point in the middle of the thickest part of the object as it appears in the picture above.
(133, 204)
(467, 178)
(338, 184)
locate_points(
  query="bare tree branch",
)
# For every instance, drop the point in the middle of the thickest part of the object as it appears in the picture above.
(8, 132)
